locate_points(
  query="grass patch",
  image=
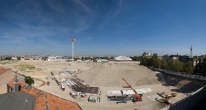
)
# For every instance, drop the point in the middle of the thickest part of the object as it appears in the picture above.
(26, 67)
(4, 62)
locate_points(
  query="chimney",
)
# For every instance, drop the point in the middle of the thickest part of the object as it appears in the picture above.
(17, 87)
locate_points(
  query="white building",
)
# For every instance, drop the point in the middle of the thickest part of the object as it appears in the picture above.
(147, 54)
(57, 58)
(13, 58)
(102, 60)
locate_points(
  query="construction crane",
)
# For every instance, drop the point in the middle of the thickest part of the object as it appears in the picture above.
(73, 40)
(137, 96)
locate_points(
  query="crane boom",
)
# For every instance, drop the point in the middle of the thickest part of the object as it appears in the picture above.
(138, 97)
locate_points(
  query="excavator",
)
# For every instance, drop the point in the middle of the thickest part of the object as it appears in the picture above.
(137, 96)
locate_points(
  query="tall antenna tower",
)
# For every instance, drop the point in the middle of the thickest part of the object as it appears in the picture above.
(191, 51)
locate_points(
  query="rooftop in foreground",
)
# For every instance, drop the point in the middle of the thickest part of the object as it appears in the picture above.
(45, 100)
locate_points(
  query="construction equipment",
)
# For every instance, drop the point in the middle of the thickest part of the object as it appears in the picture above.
(137, 96)
(166, 98)
(174, 94)
(62, 86)
(47, 82)
(73, 94)
(94, 98)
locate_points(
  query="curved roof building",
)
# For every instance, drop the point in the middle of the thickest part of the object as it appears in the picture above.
(122, 58)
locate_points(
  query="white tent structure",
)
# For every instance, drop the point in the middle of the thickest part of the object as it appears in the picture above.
(122, 58)
(127, 92)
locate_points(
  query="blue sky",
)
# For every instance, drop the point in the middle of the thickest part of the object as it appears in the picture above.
(102, 27)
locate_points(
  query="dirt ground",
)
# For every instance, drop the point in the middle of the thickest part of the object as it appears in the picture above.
(108, 76)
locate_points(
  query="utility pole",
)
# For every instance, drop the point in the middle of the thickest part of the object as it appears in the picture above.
(191, 51)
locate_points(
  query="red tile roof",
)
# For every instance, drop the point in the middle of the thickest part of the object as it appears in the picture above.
(54, 102)
(2, 70)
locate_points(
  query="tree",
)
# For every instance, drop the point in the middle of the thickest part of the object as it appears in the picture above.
(155, 55)
(201, 67)
(164, 64)
(44, 58)
(135, 58)
(155, 62)
(28, 80)
(8, 58)
(188, 67)
(18, 58)
(175, 65)
(146, 61)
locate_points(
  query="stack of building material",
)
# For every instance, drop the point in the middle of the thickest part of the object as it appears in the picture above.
(114, 93)
(79, 87)
(93, 90)
(70, 83)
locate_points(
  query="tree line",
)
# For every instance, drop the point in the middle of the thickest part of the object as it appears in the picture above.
(201, 67)
(175, 65)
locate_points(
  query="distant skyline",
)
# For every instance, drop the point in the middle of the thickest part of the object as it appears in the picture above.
(102, 27)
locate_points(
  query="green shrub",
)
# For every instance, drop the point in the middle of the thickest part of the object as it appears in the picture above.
(28, 80)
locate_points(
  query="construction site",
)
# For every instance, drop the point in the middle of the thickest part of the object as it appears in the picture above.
(106, 86)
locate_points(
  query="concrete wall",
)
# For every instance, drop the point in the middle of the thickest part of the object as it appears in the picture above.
(195, 77)
(194, 102)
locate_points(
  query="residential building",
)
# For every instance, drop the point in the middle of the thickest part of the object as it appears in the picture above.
(147, 54)
(57, 58)
(17, 101)
(6, 75)
(32, 99)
